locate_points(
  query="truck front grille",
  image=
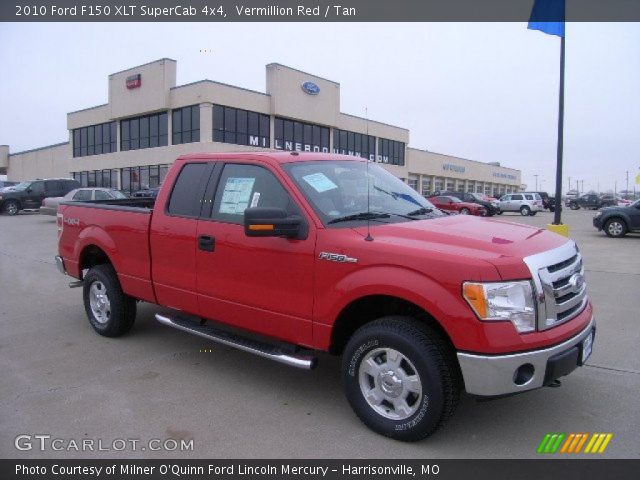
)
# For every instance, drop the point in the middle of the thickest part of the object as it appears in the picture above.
(561, 291)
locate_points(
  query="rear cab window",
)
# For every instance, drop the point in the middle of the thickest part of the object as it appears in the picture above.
(187, 193)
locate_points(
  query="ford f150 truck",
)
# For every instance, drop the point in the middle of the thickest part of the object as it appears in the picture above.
(287, 254)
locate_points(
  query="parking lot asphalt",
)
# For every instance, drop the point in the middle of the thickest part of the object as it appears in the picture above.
(59, 378)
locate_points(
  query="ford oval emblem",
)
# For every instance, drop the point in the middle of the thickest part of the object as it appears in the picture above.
(310, 88)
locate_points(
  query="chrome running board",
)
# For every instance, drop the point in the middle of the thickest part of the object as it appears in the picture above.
(257, 347)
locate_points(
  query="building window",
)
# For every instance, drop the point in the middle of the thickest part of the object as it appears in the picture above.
(299, 136)
(144, 132)
(185, 125)
(94, 140)
(97, 178)
(142, 178)
(413, 181)
(451, 185)
(438, 185)
(487, 189)
(471, 187)
(390, 151)
(479, 187)
(426, 185)
(241, 127)
(355, 144)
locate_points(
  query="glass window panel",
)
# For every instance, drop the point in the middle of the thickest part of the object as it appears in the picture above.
(195, 117)
(218, 117)
(254, 124)
(186, 119)
(229, 119)
(288, 131)
(176, 121)
(241, 121)
(264, 126)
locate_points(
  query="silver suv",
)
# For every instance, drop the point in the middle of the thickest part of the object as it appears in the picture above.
(525, 203)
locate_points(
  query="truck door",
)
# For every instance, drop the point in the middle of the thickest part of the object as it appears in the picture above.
(173, 238)
(634, 214)
(34, 195)
(263, 284)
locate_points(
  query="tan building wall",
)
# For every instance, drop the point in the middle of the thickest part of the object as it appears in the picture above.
(47, 162)
(284, 97)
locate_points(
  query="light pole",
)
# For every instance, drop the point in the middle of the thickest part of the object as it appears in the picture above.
(569, 184)
(536, 182)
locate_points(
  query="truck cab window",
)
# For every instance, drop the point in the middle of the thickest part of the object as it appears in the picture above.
(246, 186)
(187, 192)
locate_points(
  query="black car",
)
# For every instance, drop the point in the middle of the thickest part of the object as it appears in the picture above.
(590, 200)
(549, 203)
(146, 193)
(478, 198)
(618, 221)
(27, 195)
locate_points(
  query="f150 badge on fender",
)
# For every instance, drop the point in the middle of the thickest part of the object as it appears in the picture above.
(337, 257)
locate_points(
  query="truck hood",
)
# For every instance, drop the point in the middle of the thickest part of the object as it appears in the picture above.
(492, 240)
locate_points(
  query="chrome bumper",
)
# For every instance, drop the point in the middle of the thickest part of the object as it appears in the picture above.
(60, 265)
(492, 375)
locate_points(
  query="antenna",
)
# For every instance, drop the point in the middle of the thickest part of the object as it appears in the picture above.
(368, 238)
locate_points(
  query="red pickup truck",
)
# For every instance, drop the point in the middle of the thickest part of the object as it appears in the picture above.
(287, 254)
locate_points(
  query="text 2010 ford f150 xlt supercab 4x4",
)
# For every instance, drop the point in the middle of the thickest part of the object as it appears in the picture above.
(284, 254)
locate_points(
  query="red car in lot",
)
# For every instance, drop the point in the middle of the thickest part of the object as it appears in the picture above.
(453, 204)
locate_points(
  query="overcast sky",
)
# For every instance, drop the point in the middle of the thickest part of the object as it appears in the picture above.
(486, 92)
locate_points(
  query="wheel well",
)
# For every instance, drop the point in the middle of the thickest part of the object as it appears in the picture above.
(369, 308)
(92, 256)
(616, 217)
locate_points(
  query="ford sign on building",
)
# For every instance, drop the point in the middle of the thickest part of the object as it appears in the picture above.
(311, 88)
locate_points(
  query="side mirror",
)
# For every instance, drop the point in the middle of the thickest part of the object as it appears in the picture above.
(273, 222)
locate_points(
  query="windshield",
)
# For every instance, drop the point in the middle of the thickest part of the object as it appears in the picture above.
(337, 190)
(21, 186)
(453, 199)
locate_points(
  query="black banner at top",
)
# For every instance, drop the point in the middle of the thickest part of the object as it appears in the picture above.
(308, 11)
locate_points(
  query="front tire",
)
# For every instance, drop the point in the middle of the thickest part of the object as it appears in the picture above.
(401, 378)
(11, 207)
(615, 228)
(111, 312)
(525, 211)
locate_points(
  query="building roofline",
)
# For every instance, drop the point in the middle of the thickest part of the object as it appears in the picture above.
(462, 158)
(88, 108)
(206, 80)
(276, 64)
(39, 148)
(374, 121)
(143, 65)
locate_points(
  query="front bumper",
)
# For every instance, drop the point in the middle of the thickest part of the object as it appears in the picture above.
(493, 375)
(597, 222)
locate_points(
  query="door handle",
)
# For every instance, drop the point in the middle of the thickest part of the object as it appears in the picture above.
(206, 243)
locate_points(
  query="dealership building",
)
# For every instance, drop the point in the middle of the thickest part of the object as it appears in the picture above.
(130, 142)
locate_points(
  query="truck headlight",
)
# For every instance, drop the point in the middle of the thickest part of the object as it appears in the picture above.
(502, 301)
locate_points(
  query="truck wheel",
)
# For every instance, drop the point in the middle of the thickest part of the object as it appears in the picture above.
(525, 211)
(111, 312)
(11, 207)
(574, 207)
(401, 378)
(615, 227)
(464, 211)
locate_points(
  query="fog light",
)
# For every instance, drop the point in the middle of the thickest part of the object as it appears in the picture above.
(523, 374)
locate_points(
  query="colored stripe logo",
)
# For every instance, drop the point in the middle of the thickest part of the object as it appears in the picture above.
(574, 443)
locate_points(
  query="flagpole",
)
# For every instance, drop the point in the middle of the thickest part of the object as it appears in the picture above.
(558, 206)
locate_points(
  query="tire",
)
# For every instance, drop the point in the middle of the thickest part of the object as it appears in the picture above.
(464, 211)
(110, 311)
(525, 211)
(11, 207)
(615, 227)
(574, 207)
(425, 403)
(499, 213)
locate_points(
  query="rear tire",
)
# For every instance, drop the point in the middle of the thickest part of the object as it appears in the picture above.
(401, 378)
(111, 312)
(615, 228)
(525, 211)
(11, 207)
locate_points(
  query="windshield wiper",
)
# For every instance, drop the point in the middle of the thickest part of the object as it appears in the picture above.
(420, 211)
(359, 216)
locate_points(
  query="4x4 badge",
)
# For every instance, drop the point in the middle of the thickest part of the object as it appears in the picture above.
(336, 257)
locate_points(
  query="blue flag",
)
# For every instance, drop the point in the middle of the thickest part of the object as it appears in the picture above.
(548, 17)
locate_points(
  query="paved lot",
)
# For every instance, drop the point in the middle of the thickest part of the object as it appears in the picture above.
(60, 378)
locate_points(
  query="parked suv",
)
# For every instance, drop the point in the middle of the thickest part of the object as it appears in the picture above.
(490, 207)
(27, 195)
(618, 221)
(591, 200)
(527, 203)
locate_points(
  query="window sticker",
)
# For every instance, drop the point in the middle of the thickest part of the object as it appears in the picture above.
(255, 199)
(320, 182)
(235, 197)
